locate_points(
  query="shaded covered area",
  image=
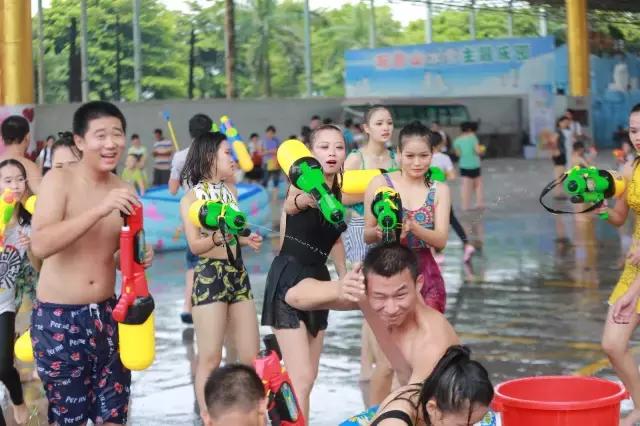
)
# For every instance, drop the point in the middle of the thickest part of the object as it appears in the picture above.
(611, 5)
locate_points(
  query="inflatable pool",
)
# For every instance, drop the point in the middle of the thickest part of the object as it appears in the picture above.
(163, 226)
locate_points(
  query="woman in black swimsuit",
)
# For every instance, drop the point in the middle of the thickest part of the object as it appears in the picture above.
(307, 241)
(458, 392)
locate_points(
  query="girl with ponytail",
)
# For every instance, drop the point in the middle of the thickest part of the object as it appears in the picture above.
(458, 392)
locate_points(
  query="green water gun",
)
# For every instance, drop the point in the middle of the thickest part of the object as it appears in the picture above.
(387, 209)
(437, 174)
(306, 174)
(216, 215)
(593, 185)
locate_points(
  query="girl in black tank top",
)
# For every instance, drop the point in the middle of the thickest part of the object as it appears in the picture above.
(308, 240)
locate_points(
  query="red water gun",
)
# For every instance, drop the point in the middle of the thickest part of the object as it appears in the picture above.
(283, 406)
(134, 310)
(135, 304)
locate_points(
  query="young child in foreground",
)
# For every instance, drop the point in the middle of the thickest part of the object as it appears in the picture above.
(235, 395)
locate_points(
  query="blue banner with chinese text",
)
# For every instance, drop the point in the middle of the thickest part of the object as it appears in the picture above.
(469, 68)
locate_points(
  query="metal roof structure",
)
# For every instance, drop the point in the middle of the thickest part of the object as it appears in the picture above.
(611, 5)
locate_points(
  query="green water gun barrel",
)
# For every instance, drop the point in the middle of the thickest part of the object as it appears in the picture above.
(214, 215)
(306, 174)
(387, 209)
(593, 185)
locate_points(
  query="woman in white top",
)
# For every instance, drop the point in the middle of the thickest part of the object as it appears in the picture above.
(44, 158)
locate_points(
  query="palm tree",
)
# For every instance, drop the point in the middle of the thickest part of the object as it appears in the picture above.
(259, 38)
(230, 46)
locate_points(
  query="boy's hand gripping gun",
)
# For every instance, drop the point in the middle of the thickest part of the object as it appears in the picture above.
(134, 310)
(306, 174)
(238, 148)
(7, 206)
(587, 185)
(387, 209)
(283, 406)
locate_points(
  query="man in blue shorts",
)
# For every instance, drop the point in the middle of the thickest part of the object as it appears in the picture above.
(76, 228)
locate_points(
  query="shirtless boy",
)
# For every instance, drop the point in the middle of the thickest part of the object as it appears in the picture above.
(412, 335)
(75, 229)
(17, 136)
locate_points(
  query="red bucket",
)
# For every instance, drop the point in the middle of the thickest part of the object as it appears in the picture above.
(559, 401)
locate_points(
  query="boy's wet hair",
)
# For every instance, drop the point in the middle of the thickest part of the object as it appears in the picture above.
(92, 111)
(14, 129)
(65, 139)
(24, 217)
(271, 128)
(389, 259)
(254, 135)
(199, 124)
(578, 145)
(135, 136)
(233, 387)
(201, 157)
(457, 383)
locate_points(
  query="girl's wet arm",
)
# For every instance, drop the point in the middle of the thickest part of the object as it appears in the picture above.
(198, 244)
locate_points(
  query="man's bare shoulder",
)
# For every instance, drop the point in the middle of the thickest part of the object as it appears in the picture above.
(27, 163)
(436, 324)
(58, 177)
(117, 182)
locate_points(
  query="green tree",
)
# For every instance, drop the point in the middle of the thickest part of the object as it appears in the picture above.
(164, 55)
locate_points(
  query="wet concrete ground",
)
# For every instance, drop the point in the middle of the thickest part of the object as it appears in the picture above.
(532, 302)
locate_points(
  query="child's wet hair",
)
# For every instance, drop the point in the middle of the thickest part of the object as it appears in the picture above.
(93, 111)
(65, 139)
(14, 129)
(414, 129)
(233, 387)
(199, 124)
(24, 217)
(457, 383)
(578, 146)
(201, 157)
